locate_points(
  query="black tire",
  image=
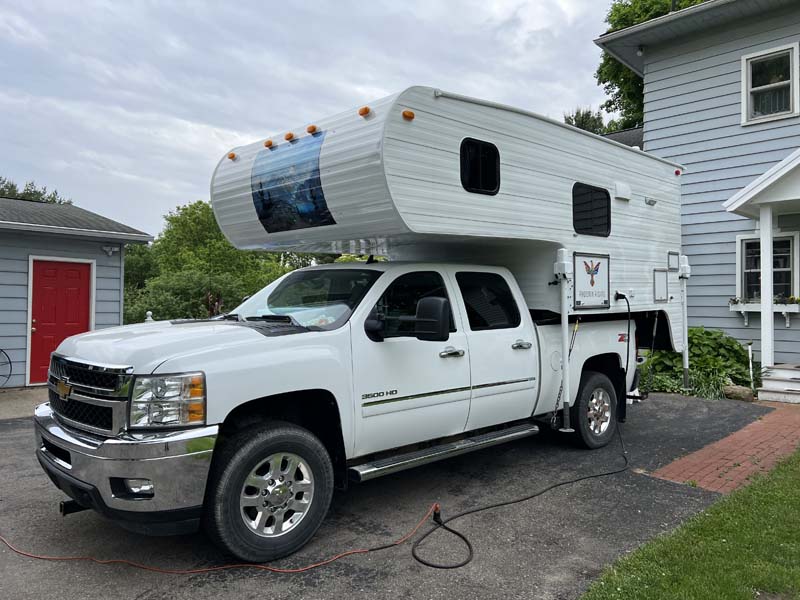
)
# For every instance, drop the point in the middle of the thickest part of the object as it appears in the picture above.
(239, 456)
(585, 435)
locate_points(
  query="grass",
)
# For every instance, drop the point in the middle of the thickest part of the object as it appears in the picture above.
(746, 546)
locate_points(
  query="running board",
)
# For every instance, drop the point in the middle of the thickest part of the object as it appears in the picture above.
(400, 462)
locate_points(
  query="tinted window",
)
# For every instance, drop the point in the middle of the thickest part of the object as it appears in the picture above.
(591, 210)
(401, 297)
(489, 302)
(480, 167)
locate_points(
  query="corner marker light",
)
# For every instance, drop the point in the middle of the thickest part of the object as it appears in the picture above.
(363, 111)
(268, 144)
(408, 115)
(289, 137)
(311, 129)
(232, 155)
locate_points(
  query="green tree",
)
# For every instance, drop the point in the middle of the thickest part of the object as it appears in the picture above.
(624, 88)
(9, 189)
(192, 271)
(586, 119)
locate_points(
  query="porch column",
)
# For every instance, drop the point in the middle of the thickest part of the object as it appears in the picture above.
(767, 290)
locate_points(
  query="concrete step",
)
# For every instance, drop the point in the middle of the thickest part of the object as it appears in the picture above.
(781, 384)
(782, 372)
(790, 397)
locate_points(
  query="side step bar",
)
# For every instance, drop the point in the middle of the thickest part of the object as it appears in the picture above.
(393, 464)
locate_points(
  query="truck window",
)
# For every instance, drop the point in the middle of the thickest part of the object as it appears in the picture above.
(480, 167)
(401, 297)
(489, 301)
(591, 210)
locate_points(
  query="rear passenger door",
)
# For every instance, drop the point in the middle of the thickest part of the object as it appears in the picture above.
(504, 359)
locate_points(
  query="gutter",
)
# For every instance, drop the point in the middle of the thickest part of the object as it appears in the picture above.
(56, 229)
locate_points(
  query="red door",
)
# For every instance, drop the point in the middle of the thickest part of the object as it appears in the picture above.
(59, 308)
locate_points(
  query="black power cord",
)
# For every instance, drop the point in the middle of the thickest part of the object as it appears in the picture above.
(442, 523)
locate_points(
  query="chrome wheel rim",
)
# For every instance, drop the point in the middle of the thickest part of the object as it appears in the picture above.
(599, 412)
(277, 495)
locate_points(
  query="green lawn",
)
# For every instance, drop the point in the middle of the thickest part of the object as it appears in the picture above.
(745, 545)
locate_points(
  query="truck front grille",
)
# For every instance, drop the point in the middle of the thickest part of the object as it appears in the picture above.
(89, 396)
(83, 413)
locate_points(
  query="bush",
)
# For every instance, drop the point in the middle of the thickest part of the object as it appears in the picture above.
(715, 359)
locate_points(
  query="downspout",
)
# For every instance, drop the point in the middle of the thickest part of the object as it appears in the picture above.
(684, 272)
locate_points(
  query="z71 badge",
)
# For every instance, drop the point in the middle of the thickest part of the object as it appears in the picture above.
(379, 394)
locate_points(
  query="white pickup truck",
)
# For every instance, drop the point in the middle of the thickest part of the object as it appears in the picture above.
(347, 370)
(526, 260)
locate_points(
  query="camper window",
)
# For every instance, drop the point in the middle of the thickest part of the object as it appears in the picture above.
(401, 297)
(480, 167)
(489, 301)
(591, 210)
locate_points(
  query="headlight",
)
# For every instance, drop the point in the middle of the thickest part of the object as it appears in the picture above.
(169, 401)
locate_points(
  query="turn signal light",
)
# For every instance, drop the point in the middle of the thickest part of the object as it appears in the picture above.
(363, 111)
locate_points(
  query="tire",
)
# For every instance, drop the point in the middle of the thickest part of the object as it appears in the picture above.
(255, 526)
(593, 428)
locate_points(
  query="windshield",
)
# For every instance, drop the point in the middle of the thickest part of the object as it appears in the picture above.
(318, 299)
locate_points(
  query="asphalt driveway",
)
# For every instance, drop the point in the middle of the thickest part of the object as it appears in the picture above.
(550, 547)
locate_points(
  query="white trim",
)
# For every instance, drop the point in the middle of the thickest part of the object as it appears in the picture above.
(794, 83)
(121, 235)
(760, 184)
(776, 234)
(92, 277)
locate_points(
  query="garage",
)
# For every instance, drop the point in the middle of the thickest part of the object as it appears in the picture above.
(61, 273)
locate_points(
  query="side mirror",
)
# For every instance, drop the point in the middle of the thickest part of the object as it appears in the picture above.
(374, 326)
(432, 322)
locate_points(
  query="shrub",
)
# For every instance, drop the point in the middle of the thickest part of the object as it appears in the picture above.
(715, 359)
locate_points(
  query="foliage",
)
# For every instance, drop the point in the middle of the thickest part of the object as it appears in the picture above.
(715, 359)
(192, 271)
(624, 88)
(586, 119)
(9, 189)
(743, 547)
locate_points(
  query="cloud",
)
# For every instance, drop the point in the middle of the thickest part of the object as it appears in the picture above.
(127, 107)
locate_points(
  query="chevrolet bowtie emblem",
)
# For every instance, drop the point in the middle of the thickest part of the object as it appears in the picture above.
(63, 389)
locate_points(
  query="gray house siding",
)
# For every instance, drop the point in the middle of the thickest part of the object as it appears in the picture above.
(15, 249)
(692, 94)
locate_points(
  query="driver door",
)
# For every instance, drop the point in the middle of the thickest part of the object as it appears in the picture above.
(408, 390)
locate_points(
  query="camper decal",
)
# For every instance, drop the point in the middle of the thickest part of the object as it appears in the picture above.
(591, 283)
(592, 270)
(286, 187)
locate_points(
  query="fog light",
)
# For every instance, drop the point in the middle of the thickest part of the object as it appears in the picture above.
(140, 487)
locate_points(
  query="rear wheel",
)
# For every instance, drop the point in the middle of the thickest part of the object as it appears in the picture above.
(269, 492)
(594, 414)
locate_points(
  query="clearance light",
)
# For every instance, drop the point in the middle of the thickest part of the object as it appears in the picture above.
(408, 115)
(268, 144)
(232, 155)
(363, 111)
(311, 129)
(289, 137)
(677, 172)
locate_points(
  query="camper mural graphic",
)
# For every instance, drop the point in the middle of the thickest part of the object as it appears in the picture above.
(286, 187)
(591, 281)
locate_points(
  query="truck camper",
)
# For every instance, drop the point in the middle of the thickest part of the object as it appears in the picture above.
(522, 262)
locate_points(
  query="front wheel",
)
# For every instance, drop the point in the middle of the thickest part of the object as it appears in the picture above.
(269, 492)
(594, 414)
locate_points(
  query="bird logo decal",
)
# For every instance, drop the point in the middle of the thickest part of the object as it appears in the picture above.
(592, 270)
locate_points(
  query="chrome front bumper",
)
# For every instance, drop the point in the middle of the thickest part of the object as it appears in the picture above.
(90, 468)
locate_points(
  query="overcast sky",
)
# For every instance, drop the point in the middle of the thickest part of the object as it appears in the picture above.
(126, 106)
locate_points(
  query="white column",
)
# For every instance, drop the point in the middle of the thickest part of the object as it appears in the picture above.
(767, 319)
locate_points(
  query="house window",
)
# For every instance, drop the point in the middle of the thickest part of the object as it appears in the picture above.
(770, 84)
(782, 269)
(591, 210)
(480, 167)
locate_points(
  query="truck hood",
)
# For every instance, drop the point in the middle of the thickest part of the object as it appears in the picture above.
(145, 346)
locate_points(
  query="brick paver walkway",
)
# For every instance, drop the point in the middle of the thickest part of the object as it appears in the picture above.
(729, 463)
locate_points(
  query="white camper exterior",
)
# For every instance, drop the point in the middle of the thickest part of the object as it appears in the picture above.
(392, 183)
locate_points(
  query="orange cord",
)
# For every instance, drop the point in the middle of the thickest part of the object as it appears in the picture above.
(135, 565)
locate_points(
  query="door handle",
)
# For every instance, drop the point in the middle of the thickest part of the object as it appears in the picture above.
(449, 352)
(33, 329)
(521, 345)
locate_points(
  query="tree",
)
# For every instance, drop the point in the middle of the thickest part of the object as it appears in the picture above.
(584, 118)
(192, 271)
(625, 88)
(9, 189)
